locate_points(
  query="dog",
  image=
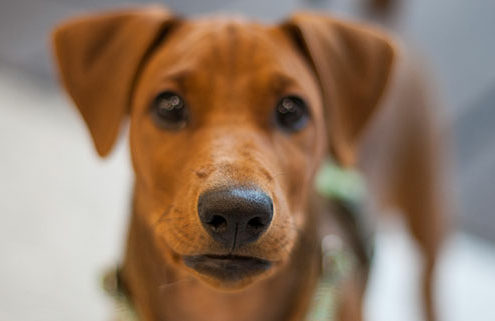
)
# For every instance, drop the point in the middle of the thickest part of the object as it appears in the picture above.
(230, 120)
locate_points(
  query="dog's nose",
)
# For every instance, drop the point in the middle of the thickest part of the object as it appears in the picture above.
(235, 216)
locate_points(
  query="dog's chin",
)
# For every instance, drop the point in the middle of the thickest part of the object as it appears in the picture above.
(228, 272)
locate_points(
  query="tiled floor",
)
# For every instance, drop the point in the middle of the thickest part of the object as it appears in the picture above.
(63, 220)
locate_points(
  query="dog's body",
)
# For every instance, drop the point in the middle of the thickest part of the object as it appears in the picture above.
(229, 123)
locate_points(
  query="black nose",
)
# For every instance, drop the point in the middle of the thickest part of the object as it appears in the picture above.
(235, 216)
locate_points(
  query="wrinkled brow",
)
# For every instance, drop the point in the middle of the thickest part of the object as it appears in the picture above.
(279, 81)
(178, 76)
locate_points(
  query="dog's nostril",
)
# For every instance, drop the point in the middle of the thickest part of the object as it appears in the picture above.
(255, 223)
(218, 222)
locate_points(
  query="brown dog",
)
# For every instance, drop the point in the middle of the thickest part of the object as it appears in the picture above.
(229, 122)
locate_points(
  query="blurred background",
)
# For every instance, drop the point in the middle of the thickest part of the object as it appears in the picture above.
(63, 211)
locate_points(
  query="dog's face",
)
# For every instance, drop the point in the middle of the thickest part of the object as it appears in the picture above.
(226, 134)
(228, 127)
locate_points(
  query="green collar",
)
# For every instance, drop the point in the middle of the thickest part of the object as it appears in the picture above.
(337, 264)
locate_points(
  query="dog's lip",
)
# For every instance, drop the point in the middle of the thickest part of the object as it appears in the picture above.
(229, 267)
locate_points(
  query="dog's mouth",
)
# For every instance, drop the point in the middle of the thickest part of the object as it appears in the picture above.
(229, 268)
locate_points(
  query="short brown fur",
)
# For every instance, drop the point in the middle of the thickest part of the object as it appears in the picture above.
(232, 73)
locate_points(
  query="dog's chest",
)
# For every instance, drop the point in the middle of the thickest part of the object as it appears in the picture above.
(196, 302)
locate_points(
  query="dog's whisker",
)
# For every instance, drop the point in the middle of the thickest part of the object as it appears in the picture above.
(183, 238)
(167, 286)
(163, 215)
(184, 225)
(279, 174)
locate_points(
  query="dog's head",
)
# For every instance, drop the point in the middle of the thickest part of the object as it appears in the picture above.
(229, 121)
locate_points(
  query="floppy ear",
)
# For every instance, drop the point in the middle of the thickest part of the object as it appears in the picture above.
(352, 64)
(99, 58)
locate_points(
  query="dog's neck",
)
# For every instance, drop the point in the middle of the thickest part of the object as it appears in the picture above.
(163, 292)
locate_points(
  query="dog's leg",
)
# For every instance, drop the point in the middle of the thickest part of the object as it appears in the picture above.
(382, 5)
(403, 157)
(417, 183)
(418, 197)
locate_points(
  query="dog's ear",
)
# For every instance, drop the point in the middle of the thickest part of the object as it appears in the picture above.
(99, 57)
(352, 64)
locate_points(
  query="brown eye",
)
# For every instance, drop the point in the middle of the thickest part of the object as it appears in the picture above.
(169, 111)
(291, 113)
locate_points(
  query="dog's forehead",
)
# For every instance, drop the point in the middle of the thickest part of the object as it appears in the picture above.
(213, 32)
(226, 43)
(217, 59)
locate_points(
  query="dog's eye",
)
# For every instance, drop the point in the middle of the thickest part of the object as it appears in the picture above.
(291, 113)
(169, 111)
